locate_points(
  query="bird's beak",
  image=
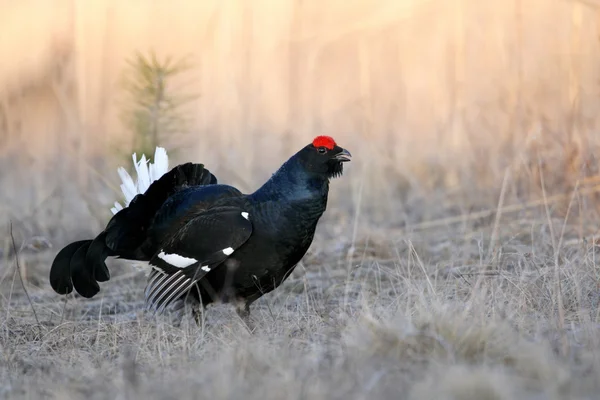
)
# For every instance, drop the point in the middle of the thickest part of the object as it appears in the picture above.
(343, 156)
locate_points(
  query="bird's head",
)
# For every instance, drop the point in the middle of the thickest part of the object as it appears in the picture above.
(324, 157)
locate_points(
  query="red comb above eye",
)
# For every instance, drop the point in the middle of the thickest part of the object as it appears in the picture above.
(324, 141)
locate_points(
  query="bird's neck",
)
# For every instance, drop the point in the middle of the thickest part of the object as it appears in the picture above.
(292, 183)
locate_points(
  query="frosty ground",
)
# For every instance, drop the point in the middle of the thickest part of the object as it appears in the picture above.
(494, 304)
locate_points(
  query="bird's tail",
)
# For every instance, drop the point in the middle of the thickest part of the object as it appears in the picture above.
(81, 264)
(146, 174)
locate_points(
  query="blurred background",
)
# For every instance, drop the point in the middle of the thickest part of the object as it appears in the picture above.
(442, 103)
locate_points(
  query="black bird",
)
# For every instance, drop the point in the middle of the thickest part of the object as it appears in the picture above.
(207, 240)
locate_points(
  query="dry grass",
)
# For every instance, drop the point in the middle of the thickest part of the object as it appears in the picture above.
(458, 256)
(427, 317)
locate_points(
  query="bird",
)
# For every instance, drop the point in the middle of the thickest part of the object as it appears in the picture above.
(203, 240)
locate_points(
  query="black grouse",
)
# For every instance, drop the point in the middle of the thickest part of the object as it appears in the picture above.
(207, 240)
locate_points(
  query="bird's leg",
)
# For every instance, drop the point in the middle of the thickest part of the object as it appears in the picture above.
(197, 308)
(175, 313)
(242, 309)
(198, 312)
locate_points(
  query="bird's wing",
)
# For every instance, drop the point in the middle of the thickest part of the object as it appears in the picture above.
(200, 245)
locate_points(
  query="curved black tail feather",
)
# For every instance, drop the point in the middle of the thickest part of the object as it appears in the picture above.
(81, 264)
(60, 271)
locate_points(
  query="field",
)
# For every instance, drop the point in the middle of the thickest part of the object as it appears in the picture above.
(457, 259)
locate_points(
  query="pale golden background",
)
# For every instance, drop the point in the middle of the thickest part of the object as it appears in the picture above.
(426, 94)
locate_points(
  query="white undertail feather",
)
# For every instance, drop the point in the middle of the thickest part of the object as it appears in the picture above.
(146, 174)
(176, 260)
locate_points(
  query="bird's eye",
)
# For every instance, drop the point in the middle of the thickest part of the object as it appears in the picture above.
(322, 150)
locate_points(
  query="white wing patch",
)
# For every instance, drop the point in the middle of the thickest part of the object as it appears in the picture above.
(245, 215)
(146, 174)
(228, 251)
(176, 260)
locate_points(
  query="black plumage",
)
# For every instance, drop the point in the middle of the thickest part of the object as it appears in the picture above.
(208, 240)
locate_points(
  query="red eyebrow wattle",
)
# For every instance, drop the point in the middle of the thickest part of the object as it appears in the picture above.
(324, 141)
